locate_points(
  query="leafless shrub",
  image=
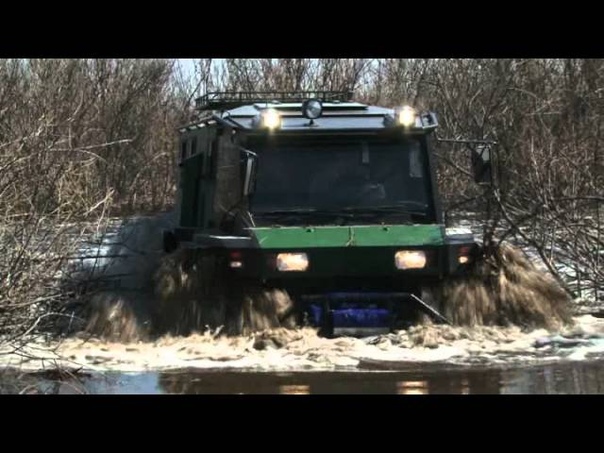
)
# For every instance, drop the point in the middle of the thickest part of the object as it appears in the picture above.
(79, 140)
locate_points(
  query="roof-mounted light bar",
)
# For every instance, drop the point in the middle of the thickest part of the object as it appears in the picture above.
(223, 100)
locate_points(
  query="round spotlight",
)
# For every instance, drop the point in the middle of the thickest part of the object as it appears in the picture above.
(312, 109)
(406, 116)
(271, 119)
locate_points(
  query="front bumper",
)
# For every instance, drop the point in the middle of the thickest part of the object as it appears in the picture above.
(355, 263)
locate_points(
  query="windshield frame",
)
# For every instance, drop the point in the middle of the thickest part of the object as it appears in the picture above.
(256, 143)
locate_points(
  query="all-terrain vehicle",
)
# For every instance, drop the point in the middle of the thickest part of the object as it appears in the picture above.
(331, 202)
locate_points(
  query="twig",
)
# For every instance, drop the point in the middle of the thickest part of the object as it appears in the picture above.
(537, 247)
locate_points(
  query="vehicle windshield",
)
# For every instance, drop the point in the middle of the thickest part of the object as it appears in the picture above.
(340, 174)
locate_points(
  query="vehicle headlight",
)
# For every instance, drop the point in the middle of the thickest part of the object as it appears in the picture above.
(297, 262)
(410, 259)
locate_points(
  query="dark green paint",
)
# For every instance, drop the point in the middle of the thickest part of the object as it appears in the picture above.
(190, 190)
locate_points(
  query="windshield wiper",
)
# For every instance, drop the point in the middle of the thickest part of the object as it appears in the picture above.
(291, 211)
(403, 207)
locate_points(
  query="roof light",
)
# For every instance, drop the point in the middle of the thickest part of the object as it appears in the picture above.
(312, 109)
(271, 119)
(406, 116)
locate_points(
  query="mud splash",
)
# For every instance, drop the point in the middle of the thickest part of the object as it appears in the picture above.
(117, 316)
(173, 312)
(302, 349)
(504, 288)
(137, 292)
(192, 296)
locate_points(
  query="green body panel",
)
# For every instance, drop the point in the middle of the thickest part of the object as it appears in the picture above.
(349, 236)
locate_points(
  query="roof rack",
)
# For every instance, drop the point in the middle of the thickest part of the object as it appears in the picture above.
(222, 100)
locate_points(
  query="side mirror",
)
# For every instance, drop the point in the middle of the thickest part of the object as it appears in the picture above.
(249, 164)
(482, 168)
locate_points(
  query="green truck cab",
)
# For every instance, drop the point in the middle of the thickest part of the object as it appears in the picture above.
(332, 200)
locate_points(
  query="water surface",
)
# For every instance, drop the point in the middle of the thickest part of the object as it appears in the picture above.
(561, 378)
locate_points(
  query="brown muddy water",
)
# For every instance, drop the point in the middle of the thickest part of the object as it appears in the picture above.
(559, 378)
(422, 359)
